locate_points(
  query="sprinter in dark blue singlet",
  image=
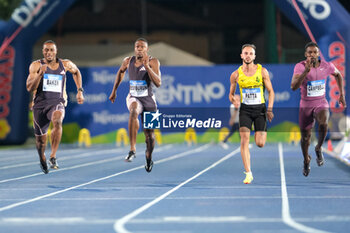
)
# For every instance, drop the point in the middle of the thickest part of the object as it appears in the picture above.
(47, 82)
(143, 72)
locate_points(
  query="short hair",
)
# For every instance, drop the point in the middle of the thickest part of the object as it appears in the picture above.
(50, 42)
(249, 45)
(311, 44)
(141, 39)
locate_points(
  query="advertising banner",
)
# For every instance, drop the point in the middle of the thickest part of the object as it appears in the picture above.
(190, 94)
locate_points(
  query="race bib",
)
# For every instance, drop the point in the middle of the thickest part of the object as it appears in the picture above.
(52, 82)
(251, 96)
(138, 88)
(316, 88)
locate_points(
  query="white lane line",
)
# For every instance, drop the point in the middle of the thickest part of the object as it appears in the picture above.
(19, 155)
(74, 199)
(86, 154)
(64, 169)
(74, 167)
(159, 220)
(119, 225)
(182, 154)
(287, 219)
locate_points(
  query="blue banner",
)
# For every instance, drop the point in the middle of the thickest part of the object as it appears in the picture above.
(321, 16)
(329, 24)
(187, 90)
(17, 36)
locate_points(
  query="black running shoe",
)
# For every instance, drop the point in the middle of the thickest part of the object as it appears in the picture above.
(149, 166)
(319, 157)
(306, 168)
(53, 163)
(43, 166)
(130, 156)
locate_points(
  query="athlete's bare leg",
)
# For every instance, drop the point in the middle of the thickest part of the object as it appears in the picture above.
(40, 142)
(260, 138)
(322, 120)
(56, 133)
(133, 125)
(305, 143)
(149, 135)
(244, 132)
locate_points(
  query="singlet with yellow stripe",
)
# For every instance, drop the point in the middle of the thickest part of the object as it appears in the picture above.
(251, 87)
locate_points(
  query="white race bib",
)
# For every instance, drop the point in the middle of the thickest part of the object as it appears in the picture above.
(251, 96)
(52, 82)
(138, 88)
(316, 88)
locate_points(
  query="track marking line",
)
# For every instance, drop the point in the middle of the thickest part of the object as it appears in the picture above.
(159, 220)
(81, 155)
(287, 219)
(73, 167)
(86, 154)
(74, 199)
(119, 225)
(182, 154)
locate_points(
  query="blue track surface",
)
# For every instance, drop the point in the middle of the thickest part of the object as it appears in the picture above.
(191, 189)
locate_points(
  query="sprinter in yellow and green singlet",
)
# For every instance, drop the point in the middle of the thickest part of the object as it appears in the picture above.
(252, 79)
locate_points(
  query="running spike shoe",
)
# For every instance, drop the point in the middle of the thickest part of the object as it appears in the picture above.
(130, 156)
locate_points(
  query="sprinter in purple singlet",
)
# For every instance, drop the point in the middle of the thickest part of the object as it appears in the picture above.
(310, 76)
(47, 82)
(143, 72)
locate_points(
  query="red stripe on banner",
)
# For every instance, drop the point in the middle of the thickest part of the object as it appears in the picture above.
(306, 26)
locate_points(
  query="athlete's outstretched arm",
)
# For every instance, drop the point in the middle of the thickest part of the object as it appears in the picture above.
(233, 80)
(152, 67)
(74, 70)
(339, 78)
(119, 78)
(36, 71)
(269, 88)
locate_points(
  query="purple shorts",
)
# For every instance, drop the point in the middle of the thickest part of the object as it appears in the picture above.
(42, 117)
(308, 111)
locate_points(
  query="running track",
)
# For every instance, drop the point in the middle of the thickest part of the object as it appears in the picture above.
(191, 189)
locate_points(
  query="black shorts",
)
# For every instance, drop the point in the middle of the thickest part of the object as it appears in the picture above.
(249, 114)
(42, 117)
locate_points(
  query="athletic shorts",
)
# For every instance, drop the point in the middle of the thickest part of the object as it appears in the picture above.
(144, 104)
(308, 110)
(249, 114)
(42, 117)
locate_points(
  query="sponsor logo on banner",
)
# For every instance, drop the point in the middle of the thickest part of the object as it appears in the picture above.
(89, 98)
(7, 59)
(106, 117)
(319, 9)
(24, 14)
(336, 52)
(188, 94)
(105, 77)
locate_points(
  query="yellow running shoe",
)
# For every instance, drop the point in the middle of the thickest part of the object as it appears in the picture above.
(248, 177)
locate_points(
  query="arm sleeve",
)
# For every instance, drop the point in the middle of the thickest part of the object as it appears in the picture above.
(298, 69)
(331, 68)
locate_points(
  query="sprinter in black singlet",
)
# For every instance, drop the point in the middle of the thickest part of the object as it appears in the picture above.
(47, 82)
(143, 72)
